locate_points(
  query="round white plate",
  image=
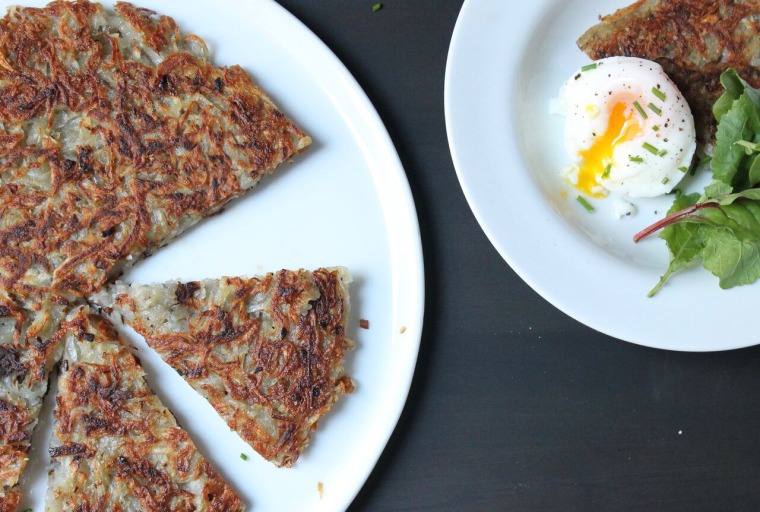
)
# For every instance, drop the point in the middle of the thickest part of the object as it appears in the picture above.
(502, 71)
(345, 201)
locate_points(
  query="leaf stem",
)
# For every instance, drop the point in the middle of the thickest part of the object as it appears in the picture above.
(672, 219)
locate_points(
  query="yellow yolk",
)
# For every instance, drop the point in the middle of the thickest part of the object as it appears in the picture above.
(621, 127)
(628, 130)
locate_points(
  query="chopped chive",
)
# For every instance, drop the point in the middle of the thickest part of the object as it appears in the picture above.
(665, 180)
(662, 152)
(650, 148)
(585, 204)
(244, 456)
(641, 110)
(634, 158)
(377, 7)
(683, 169)
(656, 128)
(658, 93)
(607, 169)
(589, 67)
(654, 109)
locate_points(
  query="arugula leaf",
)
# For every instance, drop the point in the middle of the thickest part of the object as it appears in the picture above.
(716, 189)
(750, 149)
(734, 87)
(740, 123)
(740, 218)
(754, 171)
(733, 260)
(752, 194)
(726, 237)
(722, 226)
(682, 239)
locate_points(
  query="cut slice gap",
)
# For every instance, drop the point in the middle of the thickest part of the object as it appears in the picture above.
(267, 352)
(114, 443)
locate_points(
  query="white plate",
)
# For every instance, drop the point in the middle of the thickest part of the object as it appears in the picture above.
(503, 68)
(345, 201)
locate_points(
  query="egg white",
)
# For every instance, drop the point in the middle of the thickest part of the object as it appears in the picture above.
(656, 144)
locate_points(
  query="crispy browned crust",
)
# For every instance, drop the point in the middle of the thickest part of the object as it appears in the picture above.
(10, 455)
(117, 133)
(693, 40)
(271, 373)
(10, 501)
(115, 446)
(135, 136)
(29, 346)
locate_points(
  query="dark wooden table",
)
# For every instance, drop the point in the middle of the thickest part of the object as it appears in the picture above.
(514, 405)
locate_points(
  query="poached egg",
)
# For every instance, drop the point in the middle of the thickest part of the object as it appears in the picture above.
(628, 129)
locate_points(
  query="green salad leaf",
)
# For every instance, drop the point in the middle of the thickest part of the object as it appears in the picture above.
(734, 87)
(721, 227)
(682, 238)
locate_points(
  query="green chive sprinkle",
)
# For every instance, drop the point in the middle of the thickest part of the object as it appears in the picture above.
(641, 110)
(662, 152)
(244, 456)
(377, 7)
(589, 67)
(636, 159)
(658, 93)
(665, 180)
(650, 148)
(606, 173)
(683, 169)
(654, 109)
(585, 204)
(656, 128)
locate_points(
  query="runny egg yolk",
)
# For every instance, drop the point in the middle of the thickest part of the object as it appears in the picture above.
(622, 126)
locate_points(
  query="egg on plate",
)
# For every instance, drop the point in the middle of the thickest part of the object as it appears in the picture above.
(628, 129)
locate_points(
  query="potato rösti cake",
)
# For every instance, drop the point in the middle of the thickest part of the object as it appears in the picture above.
(116, 134)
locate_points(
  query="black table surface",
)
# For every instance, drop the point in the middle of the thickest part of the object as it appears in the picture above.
(514, 405)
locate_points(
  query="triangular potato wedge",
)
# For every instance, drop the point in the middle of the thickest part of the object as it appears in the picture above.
(267, 352)
(115, 446)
